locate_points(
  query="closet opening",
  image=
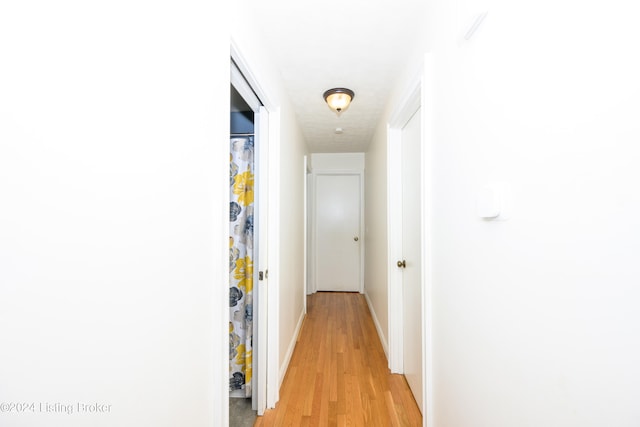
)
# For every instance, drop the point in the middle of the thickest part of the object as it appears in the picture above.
(247, 252)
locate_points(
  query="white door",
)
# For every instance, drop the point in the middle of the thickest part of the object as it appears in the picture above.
(337, 208)
(411, 263)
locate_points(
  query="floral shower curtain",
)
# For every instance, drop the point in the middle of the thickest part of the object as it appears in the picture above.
(241, 265)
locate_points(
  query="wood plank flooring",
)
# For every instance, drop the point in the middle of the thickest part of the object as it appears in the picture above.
(338, 373)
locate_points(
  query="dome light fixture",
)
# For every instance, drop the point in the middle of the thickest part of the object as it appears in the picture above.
(338, 98)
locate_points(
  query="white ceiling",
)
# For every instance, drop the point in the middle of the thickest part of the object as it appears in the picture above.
(358, 44)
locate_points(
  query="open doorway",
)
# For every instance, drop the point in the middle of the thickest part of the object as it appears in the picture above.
(243, 253)
(248, 272)
(266, 245)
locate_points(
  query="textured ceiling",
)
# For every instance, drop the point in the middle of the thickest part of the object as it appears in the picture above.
(361, 45)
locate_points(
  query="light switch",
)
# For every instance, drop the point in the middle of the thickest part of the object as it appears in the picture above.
(488, 203)
(493, 201)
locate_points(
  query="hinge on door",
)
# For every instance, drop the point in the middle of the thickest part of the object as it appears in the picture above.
(260, 275)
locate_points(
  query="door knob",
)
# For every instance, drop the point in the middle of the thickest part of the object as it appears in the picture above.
(402, 264)
(355, 239)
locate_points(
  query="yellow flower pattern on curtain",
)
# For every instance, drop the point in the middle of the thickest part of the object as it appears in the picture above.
(241, 264)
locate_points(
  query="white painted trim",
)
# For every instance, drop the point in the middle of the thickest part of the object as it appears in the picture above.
(383, 340)
(242, 86)
(311, 287)
(362, 236)
(290, 348)
(249, 75)
(419, 95)
(403, 112)
(261, 231)
(428, 135)
(273, 297)
(338, 171)
(305, 267)
(273, 230)
(408, 105)
(394, 248)
(315, 173)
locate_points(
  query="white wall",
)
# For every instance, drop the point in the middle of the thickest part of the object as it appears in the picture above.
(536, 319)
(113, 184)
(291, 265)
(337, 161)
(376, 263)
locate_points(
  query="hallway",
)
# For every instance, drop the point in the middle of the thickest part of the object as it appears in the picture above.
(338, 373)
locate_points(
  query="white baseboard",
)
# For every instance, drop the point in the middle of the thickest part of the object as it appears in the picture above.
(292, 346)
(383, 340)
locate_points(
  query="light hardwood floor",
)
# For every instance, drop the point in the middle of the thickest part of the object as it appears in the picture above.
(338, 373)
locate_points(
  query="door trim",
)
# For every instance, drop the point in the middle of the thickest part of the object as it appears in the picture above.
(305, 233)
(406, 109)
(314, 253)
(268, 344)
(418, 95)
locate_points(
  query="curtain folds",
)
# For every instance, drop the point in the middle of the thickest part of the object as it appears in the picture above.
(241, 264)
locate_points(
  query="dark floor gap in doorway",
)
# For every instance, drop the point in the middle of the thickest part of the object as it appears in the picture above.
(240, 412)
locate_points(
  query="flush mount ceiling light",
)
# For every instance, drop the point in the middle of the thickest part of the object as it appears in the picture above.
(339, 98)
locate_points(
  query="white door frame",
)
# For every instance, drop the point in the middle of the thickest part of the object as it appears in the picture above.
(419, 95)
(308, 221)
(314, 251)
(305, 172)
(268, 321)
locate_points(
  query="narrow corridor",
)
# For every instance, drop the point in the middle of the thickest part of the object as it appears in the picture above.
(339, 374)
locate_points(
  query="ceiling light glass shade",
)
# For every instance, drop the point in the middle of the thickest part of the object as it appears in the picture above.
(338, 98)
